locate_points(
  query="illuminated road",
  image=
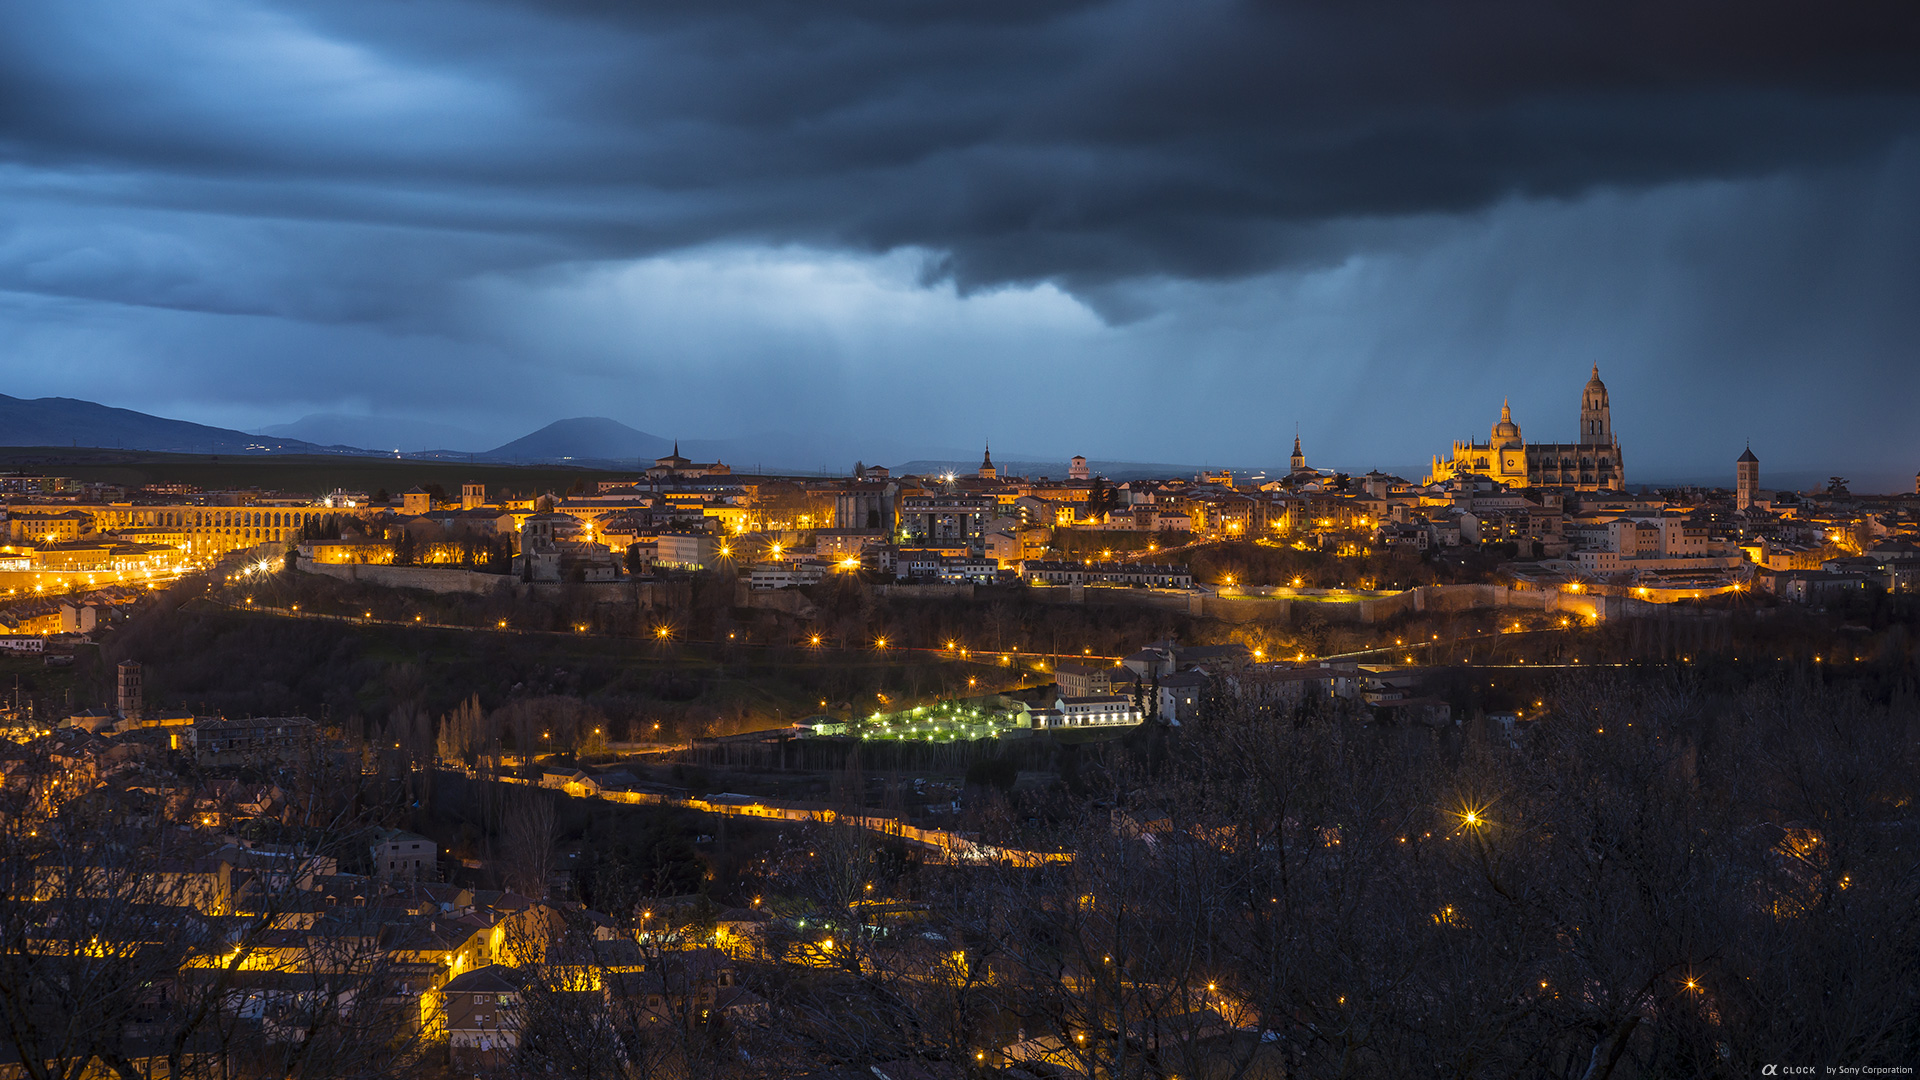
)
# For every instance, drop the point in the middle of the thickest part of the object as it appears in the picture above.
(954, 847)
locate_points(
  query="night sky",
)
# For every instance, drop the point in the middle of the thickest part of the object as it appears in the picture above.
(1153, 231)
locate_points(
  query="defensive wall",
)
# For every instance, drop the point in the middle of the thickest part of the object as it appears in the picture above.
(438, 579)
(1281, 604)
(1267, 604)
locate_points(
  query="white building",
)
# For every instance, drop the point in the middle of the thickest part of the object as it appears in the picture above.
(1103, 710)
(786, 574)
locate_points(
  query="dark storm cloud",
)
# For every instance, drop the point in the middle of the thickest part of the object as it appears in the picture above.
(1075, 141)
(714, 219)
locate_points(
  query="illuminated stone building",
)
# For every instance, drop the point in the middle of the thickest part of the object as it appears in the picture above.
(49, 526)
(1592, 464)
(129, 696)
(1746, 480)
(675, 465)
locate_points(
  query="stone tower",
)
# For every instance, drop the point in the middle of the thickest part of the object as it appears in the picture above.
(130, 703)
(987, 471)
(1746, 480)
(1299, 460)
(1077, 469)
(1596, 419)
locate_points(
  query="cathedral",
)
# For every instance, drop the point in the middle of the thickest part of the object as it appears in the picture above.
(1592, 464)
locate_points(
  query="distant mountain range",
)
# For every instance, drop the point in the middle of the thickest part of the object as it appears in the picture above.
(588, 441)
(72, 422)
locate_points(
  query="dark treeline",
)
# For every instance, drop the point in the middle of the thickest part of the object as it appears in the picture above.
(1663, 878)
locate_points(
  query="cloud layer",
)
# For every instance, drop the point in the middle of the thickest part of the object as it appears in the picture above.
(1138, 229)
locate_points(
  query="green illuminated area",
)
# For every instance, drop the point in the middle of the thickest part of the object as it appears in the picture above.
(943, 721)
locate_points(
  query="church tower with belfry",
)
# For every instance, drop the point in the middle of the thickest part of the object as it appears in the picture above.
(1746, 480)
(1596, 418)
(987, 471)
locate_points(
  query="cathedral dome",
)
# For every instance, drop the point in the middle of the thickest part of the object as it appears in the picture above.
(1506, 429)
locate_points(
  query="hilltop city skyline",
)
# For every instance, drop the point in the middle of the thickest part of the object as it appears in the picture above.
(959, 539)
(607, 441)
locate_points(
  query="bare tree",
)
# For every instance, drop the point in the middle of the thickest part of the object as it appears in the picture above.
(528, 839)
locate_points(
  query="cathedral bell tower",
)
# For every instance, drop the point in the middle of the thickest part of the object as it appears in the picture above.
(1596, 419)
(1746, 476)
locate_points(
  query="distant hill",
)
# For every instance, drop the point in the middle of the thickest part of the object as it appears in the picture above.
(382, 433)
(71, 422)
(594, 438)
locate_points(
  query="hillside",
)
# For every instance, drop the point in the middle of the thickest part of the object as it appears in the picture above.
(584, 437)
(72, 422)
